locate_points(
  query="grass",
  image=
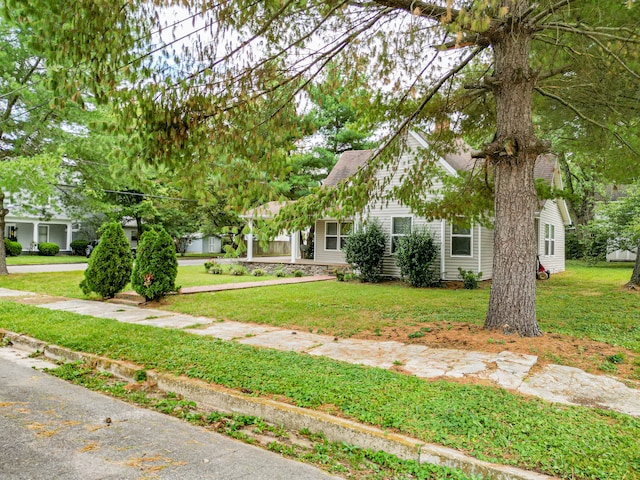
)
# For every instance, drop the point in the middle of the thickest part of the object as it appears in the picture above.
(314, 448)
(583, 302)
(489, 423)
(42, 260)
(65, 284)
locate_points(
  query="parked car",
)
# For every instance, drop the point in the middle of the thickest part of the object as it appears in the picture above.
(94, 243)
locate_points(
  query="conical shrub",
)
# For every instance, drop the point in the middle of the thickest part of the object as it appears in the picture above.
(110, 264)
(154, 274)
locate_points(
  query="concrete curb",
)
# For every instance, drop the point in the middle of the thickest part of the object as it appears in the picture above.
(334, 428)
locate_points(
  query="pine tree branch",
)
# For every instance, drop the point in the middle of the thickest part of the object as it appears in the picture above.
(434, 90)
(422, 9)
(586, 118)
(549, 11)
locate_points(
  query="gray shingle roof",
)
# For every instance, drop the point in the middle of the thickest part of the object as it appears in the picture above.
(348, 164)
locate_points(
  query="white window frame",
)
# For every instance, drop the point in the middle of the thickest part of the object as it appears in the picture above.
(394, 236)
(47, 234)
(212, 244)
(453, 235)
(549, 240)
(339, 235)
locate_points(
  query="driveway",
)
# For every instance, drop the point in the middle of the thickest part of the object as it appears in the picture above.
(53, 429)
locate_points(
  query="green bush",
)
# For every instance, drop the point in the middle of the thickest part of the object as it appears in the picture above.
(110, 264)
(214, 267)
(238, 270)
(12, 249)
(48, 249)
(258, 272)
(364, 250)
(280, 272)
(469, 278)
(156, 268)
(416, 255)
(298, 273)
(79, 247)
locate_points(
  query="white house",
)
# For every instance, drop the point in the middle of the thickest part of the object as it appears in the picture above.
(467, 248)
(29, 229)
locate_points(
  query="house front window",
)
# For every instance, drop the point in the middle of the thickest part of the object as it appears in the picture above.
(461, 241)
(549, 239)
(400, 227)
(336, 235)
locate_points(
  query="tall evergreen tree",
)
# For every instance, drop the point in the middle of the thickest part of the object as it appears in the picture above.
(579, 55)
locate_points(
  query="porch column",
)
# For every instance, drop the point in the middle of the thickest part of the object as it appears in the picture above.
(294, 246)
(35, 233)
(250, 243)
(68, 228)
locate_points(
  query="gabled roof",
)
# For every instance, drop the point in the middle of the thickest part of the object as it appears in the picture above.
(546, 168)
(459, 160)
(348, 164)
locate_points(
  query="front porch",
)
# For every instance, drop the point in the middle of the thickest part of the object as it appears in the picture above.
(29, 233)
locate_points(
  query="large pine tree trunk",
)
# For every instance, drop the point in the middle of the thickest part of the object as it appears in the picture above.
(512, 303)
(3, 253)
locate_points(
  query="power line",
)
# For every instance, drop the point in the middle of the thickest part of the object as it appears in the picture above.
(133, 194)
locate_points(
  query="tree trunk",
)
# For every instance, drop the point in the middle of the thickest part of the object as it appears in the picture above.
(3, 254)
(512, 302)
(635, 275)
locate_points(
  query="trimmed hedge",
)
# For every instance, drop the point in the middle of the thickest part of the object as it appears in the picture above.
(364, 251)
(48, 249)
(13, 249)
(416, 256)
(110, 264)
(79, 247)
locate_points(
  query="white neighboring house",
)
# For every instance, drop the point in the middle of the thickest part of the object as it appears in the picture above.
(53, 225)
(621, 256)
(467, 248)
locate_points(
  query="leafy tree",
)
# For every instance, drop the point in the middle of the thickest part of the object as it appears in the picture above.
(621, 220)
(504, 58)
(110, 264)
(156, 267)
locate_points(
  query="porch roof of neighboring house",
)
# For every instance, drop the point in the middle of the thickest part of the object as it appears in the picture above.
(267, 210)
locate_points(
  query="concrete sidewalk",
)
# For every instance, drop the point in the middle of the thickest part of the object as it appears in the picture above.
(555, 383)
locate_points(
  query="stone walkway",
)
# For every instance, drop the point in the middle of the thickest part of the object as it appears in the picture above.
(509, 370)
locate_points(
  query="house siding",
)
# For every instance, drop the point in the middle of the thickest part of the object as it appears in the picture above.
(486, 260)
(481, 258)
(321, 255)
(550, 214)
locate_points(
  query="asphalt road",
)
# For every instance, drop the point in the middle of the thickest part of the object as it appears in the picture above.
(50, 429)
(70, 267)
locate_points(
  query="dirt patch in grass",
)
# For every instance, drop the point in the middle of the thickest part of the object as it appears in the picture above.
(591, 356)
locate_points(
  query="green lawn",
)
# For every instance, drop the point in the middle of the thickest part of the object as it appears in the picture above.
(42, 260)
(489, 423)
(584, 302)
(66, 284)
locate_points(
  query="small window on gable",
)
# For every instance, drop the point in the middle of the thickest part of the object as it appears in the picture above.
(336, 235)
(461, 241)
(400, 227)
(549, 239)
